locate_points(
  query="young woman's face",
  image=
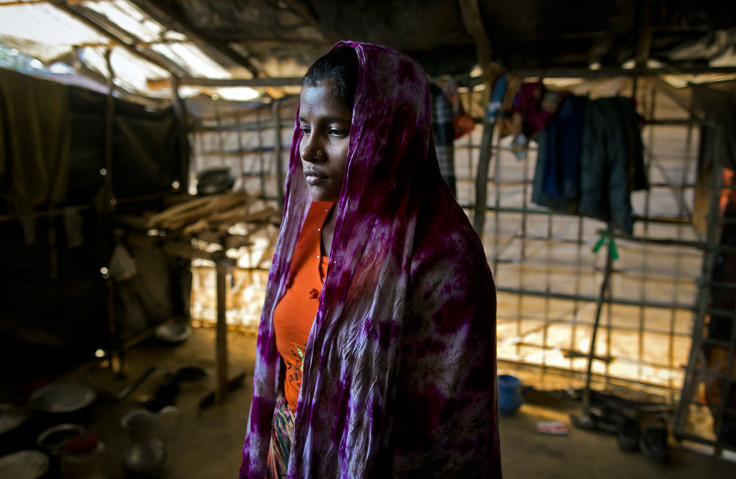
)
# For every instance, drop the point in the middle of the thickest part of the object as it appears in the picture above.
(325, 121)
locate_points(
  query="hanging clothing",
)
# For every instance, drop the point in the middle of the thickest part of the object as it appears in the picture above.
(590, 160)
(400, 364)
(561, 155)
(35, 141)
(557, 175)
(537, 105)
(611, 162)
(462, 122)
(443, 130)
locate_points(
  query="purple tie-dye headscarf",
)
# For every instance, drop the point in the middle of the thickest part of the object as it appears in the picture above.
(400, 366)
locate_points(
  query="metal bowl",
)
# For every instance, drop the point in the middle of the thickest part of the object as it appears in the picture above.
(173, 333)
(54, 439)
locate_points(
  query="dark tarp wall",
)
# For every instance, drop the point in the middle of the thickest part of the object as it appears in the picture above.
(53, 297)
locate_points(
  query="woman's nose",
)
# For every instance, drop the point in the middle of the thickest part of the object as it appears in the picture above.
(312, 150)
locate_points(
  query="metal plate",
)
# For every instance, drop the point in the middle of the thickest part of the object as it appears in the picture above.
(11, 417)
(62, 397)
(24, 465)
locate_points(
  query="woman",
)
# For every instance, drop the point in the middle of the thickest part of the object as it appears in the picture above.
(399, 367)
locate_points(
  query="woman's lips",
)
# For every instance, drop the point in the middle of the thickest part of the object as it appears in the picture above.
(314, 177)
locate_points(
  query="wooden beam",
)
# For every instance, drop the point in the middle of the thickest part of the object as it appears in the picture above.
(227, 82)
(27, 2)
(481, 179)
(136, 44)
(232, 82)
(222, 267)
(643, 12)
(305, 11)
(608, 72)
(473, 22)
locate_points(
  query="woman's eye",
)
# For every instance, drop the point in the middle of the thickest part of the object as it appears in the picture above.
(338, 133)
(305, 130)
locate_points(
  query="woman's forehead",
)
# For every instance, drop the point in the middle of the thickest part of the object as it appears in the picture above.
(320, 98)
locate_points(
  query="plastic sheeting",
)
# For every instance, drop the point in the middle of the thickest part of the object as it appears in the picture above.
(50, 35)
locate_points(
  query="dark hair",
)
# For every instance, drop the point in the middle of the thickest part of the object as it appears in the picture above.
(340, 66)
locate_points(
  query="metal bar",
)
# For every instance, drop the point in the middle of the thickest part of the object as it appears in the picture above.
(628, 329)
(603, 358)
(547, 212)
(547, 286)
(524, 204)
(522, 182)
(581, 374)
(606, 72)
(593, 299)
(523, 237)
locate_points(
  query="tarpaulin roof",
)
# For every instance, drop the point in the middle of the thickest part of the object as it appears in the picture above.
(243, 48)
(141, 49)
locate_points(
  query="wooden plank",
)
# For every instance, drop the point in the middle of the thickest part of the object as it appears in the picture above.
(481, 179)
(221, 267)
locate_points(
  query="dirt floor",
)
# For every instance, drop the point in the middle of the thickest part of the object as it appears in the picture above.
(206, 443)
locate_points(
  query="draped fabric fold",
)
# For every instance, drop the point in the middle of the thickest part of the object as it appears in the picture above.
(400, 365)
(35, 141)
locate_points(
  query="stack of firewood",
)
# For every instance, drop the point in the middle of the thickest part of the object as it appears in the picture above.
(211, 216)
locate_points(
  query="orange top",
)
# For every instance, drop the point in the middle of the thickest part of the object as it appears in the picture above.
(295, 313)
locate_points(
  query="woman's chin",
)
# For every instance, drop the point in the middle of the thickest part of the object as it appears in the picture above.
(319, 194)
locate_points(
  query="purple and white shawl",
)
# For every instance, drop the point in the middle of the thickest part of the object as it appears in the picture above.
(400, 366)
